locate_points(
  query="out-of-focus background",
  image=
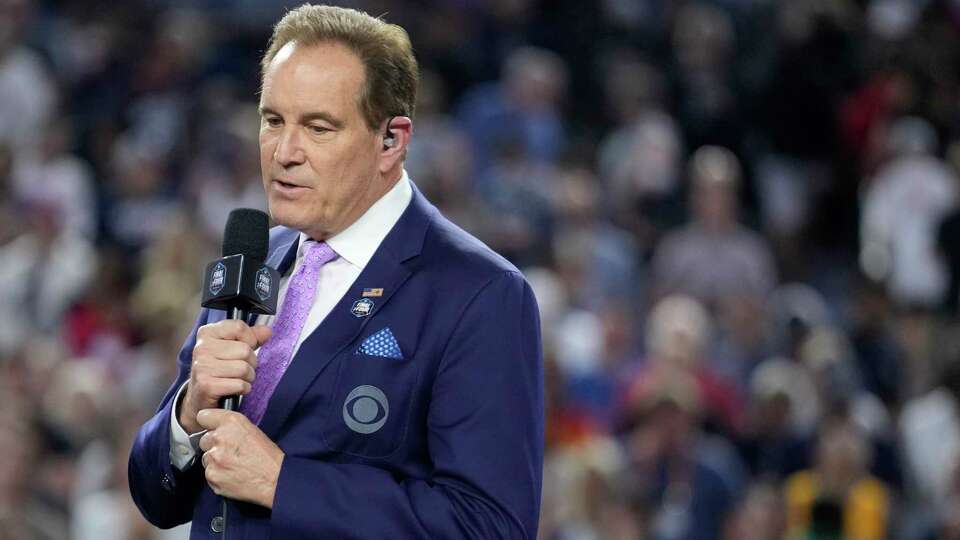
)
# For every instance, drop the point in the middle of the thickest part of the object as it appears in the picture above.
(741, 219)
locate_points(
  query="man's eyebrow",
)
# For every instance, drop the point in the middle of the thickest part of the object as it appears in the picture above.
(319, 115)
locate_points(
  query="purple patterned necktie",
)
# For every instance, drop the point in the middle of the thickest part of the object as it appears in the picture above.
(275, 355)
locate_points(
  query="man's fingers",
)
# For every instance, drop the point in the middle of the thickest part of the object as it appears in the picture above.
(211, 418)
(214, 388)
(221, 349)
(226, 369)
(209, 457)
(230, 329)
(214, 418)
(207, 441)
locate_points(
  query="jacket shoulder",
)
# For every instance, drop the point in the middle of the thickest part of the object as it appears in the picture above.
(452, 251)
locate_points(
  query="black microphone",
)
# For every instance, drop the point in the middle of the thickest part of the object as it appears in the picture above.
(240, 282)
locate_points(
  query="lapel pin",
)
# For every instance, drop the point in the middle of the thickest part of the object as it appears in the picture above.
(372, 293)
(362, 308)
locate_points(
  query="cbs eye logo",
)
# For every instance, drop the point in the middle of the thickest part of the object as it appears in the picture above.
(366, 409)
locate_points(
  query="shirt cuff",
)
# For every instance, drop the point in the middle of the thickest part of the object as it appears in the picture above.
(183, 447)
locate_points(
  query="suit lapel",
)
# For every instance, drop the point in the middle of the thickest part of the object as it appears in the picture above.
(389, 268)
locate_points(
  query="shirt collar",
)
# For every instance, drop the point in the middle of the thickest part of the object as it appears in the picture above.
(357, 243)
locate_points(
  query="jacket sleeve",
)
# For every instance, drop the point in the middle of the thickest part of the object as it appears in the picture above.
(485, 436)
(164, 494)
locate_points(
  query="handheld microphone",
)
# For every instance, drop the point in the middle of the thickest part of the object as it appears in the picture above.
(240, 282)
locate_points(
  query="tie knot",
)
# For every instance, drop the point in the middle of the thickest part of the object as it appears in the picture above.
(318, 254)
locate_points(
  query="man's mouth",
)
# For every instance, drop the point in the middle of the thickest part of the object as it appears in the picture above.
(285, 185)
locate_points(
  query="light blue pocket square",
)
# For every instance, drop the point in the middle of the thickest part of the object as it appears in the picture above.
(381, 344)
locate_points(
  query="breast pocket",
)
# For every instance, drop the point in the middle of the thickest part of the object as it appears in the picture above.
(370, 411)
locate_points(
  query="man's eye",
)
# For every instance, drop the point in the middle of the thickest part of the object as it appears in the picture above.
(317, 130)
(273, 121)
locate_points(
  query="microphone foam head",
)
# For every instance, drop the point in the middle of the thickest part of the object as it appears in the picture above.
(246, 233)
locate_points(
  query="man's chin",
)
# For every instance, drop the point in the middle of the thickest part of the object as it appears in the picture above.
(298, 222)
(281, 216)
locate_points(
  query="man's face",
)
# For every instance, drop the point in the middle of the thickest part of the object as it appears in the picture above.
(318, 157)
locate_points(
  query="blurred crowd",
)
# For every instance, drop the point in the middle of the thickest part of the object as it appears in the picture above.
(741, 219)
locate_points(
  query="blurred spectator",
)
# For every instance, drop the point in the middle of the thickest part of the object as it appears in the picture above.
(52, 174)
(104, 511)
(97, 326)
(867, 115)
(583, 495)
(226, 174)
(516, 188)
(140, 201)
(759, 516)
(796, 308)
(632, 85)
(441, 158)
(902, 207)
(713, 257)
(523, 111)
(588, 245)
(838, 498)
(46, 268)
(640, 163)
(745, 338)
(873, 335)
(829, 358)
(23, 515)
(704, 83)
(783, 409)
(441, 153)
(687, 495)
(930, 431)
(815, 65)
(29, 92)
(161, 304)
(678, 331)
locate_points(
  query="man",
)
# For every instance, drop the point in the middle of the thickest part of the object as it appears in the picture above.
(409, 404)
(714, 258)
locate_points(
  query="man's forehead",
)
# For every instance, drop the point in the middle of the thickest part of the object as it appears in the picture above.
(326, 56)
(325, 72)
(321, 67)
(284, 53)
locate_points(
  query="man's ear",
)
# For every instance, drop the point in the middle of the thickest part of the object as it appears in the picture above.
(394, 140)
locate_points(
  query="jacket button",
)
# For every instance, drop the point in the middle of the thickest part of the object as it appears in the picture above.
(165, 482)
(216, 524)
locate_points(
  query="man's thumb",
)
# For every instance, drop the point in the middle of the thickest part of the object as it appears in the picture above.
(262, 333)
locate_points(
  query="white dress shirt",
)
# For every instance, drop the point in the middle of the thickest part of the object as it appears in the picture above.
(355, 246)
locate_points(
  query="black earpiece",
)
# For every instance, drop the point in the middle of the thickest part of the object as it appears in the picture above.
(389, 139)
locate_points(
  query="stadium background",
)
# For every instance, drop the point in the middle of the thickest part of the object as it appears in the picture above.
(741, 218)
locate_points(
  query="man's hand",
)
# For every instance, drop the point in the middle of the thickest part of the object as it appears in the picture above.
(240, 462)
(223, 365)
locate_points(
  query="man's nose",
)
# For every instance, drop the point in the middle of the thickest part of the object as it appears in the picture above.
(289, 149)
